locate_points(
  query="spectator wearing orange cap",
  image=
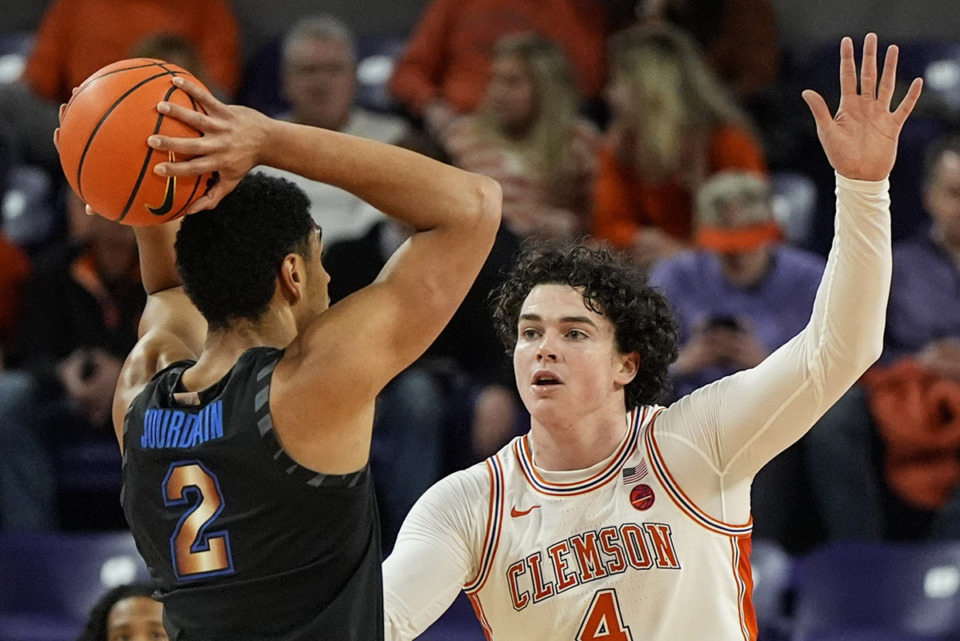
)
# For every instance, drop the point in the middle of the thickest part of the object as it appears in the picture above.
(742, 293)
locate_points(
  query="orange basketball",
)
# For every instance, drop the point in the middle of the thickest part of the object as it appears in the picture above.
(103, 143)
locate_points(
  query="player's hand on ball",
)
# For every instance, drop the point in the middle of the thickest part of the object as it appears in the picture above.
(102, 143)
(231, 143)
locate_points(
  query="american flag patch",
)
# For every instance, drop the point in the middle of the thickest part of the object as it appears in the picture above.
(634, 474)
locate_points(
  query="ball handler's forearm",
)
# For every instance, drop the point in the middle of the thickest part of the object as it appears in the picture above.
(421, 192)
(158, 269)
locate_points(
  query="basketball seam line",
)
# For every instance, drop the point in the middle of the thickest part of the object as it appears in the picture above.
(146, 161)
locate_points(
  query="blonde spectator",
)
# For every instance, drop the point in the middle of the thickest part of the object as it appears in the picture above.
(673, 127)
(528, 136)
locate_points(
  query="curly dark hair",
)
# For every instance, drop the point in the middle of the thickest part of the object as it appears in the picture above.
(96, 628)
(612, 286)
(228, 257)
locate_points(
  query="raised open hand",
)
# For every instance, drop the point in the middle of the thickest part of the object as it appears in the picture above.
(861, 140)
(231, 144)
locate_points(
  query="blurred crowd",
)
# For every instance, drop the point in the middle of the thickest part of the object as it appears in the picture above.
(669, 129)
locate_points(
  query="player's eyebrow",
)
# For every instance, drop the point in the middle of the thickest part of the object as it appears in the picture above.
(566, 320)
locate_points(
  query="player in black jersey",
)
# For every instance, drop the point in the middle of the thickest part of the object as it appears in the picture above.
(245, 411)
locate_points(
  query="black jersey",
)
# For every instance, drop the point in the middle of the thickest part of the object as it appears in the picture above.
(244, 543)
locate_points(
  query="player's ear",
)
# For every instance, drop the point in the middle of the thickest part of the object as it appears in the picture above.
(291, 277)
(629, 366)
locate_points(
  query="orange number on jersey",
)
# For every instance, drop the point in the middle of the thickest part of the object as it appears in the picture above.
(603, 621)
(195, 552)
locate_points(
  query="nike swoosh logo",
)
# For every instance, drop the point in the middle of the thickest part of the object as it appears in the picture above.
(168, 195)
(514, 512)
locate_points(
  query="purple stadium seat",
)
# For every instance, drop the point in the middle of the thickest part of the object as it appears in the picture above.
(794, 205)
(88, 484)
(14, 50)
(773, 570)
(880, 592)
(49, 582)
(27, 214)
(376, 56)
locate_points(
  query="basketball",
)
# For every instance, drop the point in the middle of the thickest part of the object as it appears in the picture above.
(103, 143)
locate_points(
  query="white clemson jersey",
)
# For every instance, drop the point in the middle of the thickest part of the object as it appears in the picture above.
(619, 551)
(620, 555)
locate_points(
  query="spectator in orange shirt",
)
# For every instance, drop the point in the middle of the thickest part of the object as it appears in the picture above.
(77, 37)
(673, 127)
(447, 61)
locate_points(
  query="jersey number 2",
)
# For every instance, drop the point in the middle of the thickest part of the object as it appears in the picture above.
(196, 553)
(603, 621)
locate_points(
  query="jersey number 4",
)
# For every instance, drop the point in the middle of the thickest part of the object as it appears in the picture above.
(603, 621)
(196, 553)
